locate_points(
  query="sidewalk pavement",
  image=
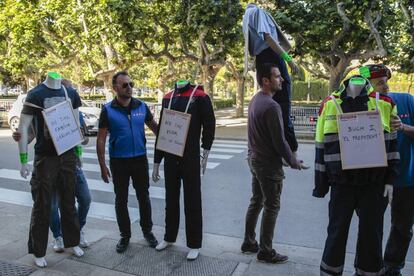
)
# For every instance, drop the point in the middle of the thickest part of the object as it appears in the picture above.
(220, 255)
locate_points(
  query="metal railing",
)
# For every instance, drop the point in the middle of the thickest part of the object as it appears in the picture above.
(304, 118)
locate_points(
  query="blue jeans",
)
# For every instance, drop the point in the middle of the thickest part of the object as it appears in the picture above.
(83, 197)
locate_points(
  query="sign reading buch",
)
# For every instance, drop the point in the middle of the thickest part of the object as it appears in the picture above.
(173, 132)
(62, 126)
(361, 140)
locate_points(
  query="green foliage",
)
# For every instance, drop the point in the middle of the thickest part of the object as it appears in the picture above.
(223, 103)
(317, 90)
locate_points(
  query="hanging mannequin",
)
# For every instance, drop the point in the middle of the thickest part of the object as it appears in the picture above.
(37, 100)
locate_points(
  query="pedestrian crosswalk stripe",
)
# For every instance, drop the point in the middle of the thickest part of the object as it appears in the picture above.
(224, 141)
(88, 155)
(223, 150)
(96, 210)
(93, 184)
(213, 149)
(210, 156)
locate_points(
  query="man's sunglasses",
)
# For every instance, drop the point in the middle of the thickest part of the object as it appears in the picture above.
(125, 84)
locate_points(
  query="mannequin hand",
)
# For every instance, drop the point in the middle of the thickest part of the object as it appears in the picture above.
(203, 162)
(396, 124)
(85, 140)
(25, 170)
(388, 190)
(293, 67)
(156, 172)
(285, 164)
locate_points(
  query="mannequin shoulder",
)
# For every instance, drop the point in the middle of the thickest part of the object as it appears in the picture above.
(383, 97)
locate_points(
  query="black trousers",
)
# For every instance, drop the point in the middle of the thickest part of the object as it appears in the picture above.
(370, 203)
(402, 220)
(283, 98)
(50, 174)
(188, 171)
(123, 169)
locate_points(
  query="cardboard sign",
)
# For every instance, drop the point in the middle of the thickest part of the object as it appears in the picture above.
(173, 131)
(361, 139)
(62, 126)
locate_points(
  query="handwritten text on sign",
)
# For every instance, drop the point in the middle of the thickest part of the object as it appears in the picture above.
(361, 139)
(173, 131)
(62, 127)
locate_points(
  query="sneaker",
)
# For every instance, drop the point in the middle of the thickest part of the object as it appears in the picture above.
(122, 245)
(163, 245)
(58, 246)
(83, 242)
(273, 257)
(249, 248)
(151, 240)
(193, 254)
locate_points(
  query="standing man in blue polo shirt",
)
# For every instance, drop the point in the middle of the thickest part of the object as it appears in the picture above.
(402, 208)
(125, 118)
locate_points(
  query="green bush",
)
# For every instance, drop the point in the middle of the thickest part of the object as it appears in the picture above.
(223, 103)
(4, 97)
(148, 99)
(93, 97)
(318, 90)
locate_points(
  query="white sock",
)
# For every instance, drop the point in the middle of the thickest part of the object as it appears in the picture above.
(77, 251)
(40, 262)
(163, 245)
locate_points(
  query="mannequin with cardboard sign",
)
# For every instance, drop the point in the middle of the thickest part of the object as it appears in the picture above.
(187, 114)
(363, 188)
(50, 171)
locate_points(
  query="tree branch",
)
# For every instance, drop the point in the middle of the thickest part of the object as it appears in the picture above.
(346, 26)
(373, 28)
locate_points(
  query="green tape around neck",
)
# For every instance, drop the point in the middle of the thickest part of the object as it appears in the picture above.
(357, 81)
(182, 82)
(364, 71)
(54, 75)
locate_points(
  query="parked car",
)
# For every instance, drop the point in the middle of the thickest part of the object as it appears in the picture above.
(90, 115)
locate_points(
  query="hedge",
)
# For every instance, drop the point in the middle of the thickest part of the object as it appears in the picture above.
(317, 90)
(222, 103)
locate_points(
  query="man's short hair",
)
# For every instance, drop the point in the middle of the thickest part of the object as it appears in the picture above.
(115, 77)
(264, 71)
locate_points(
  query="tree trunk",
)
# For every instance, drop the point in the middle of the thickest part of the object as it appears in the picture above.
(209, 74)
(337, 74)
(108, 87)
(334, 81)
(240, 98)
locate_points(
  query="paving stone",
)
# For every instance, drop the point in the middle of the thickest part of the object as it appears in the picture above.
(8, 268)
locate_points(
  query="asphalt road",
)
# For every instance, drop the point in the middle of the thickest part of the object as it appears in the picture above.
(302, 220)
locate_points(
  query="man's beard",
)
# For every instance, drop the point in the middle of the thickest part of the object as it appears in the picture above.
(274, 91)
(125, 96)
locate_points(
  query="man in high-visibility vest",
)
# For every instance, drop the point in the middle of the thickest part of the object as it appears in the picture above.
(356, 189)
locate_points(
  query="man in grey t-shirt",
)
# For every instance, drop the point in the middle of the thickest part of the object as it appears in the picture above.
(267, 146)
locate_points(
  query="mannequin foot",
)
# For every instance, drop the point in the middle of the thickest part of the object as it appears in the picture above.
(40, 262)
(164, 244)
(77, 251)
(193, 254)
